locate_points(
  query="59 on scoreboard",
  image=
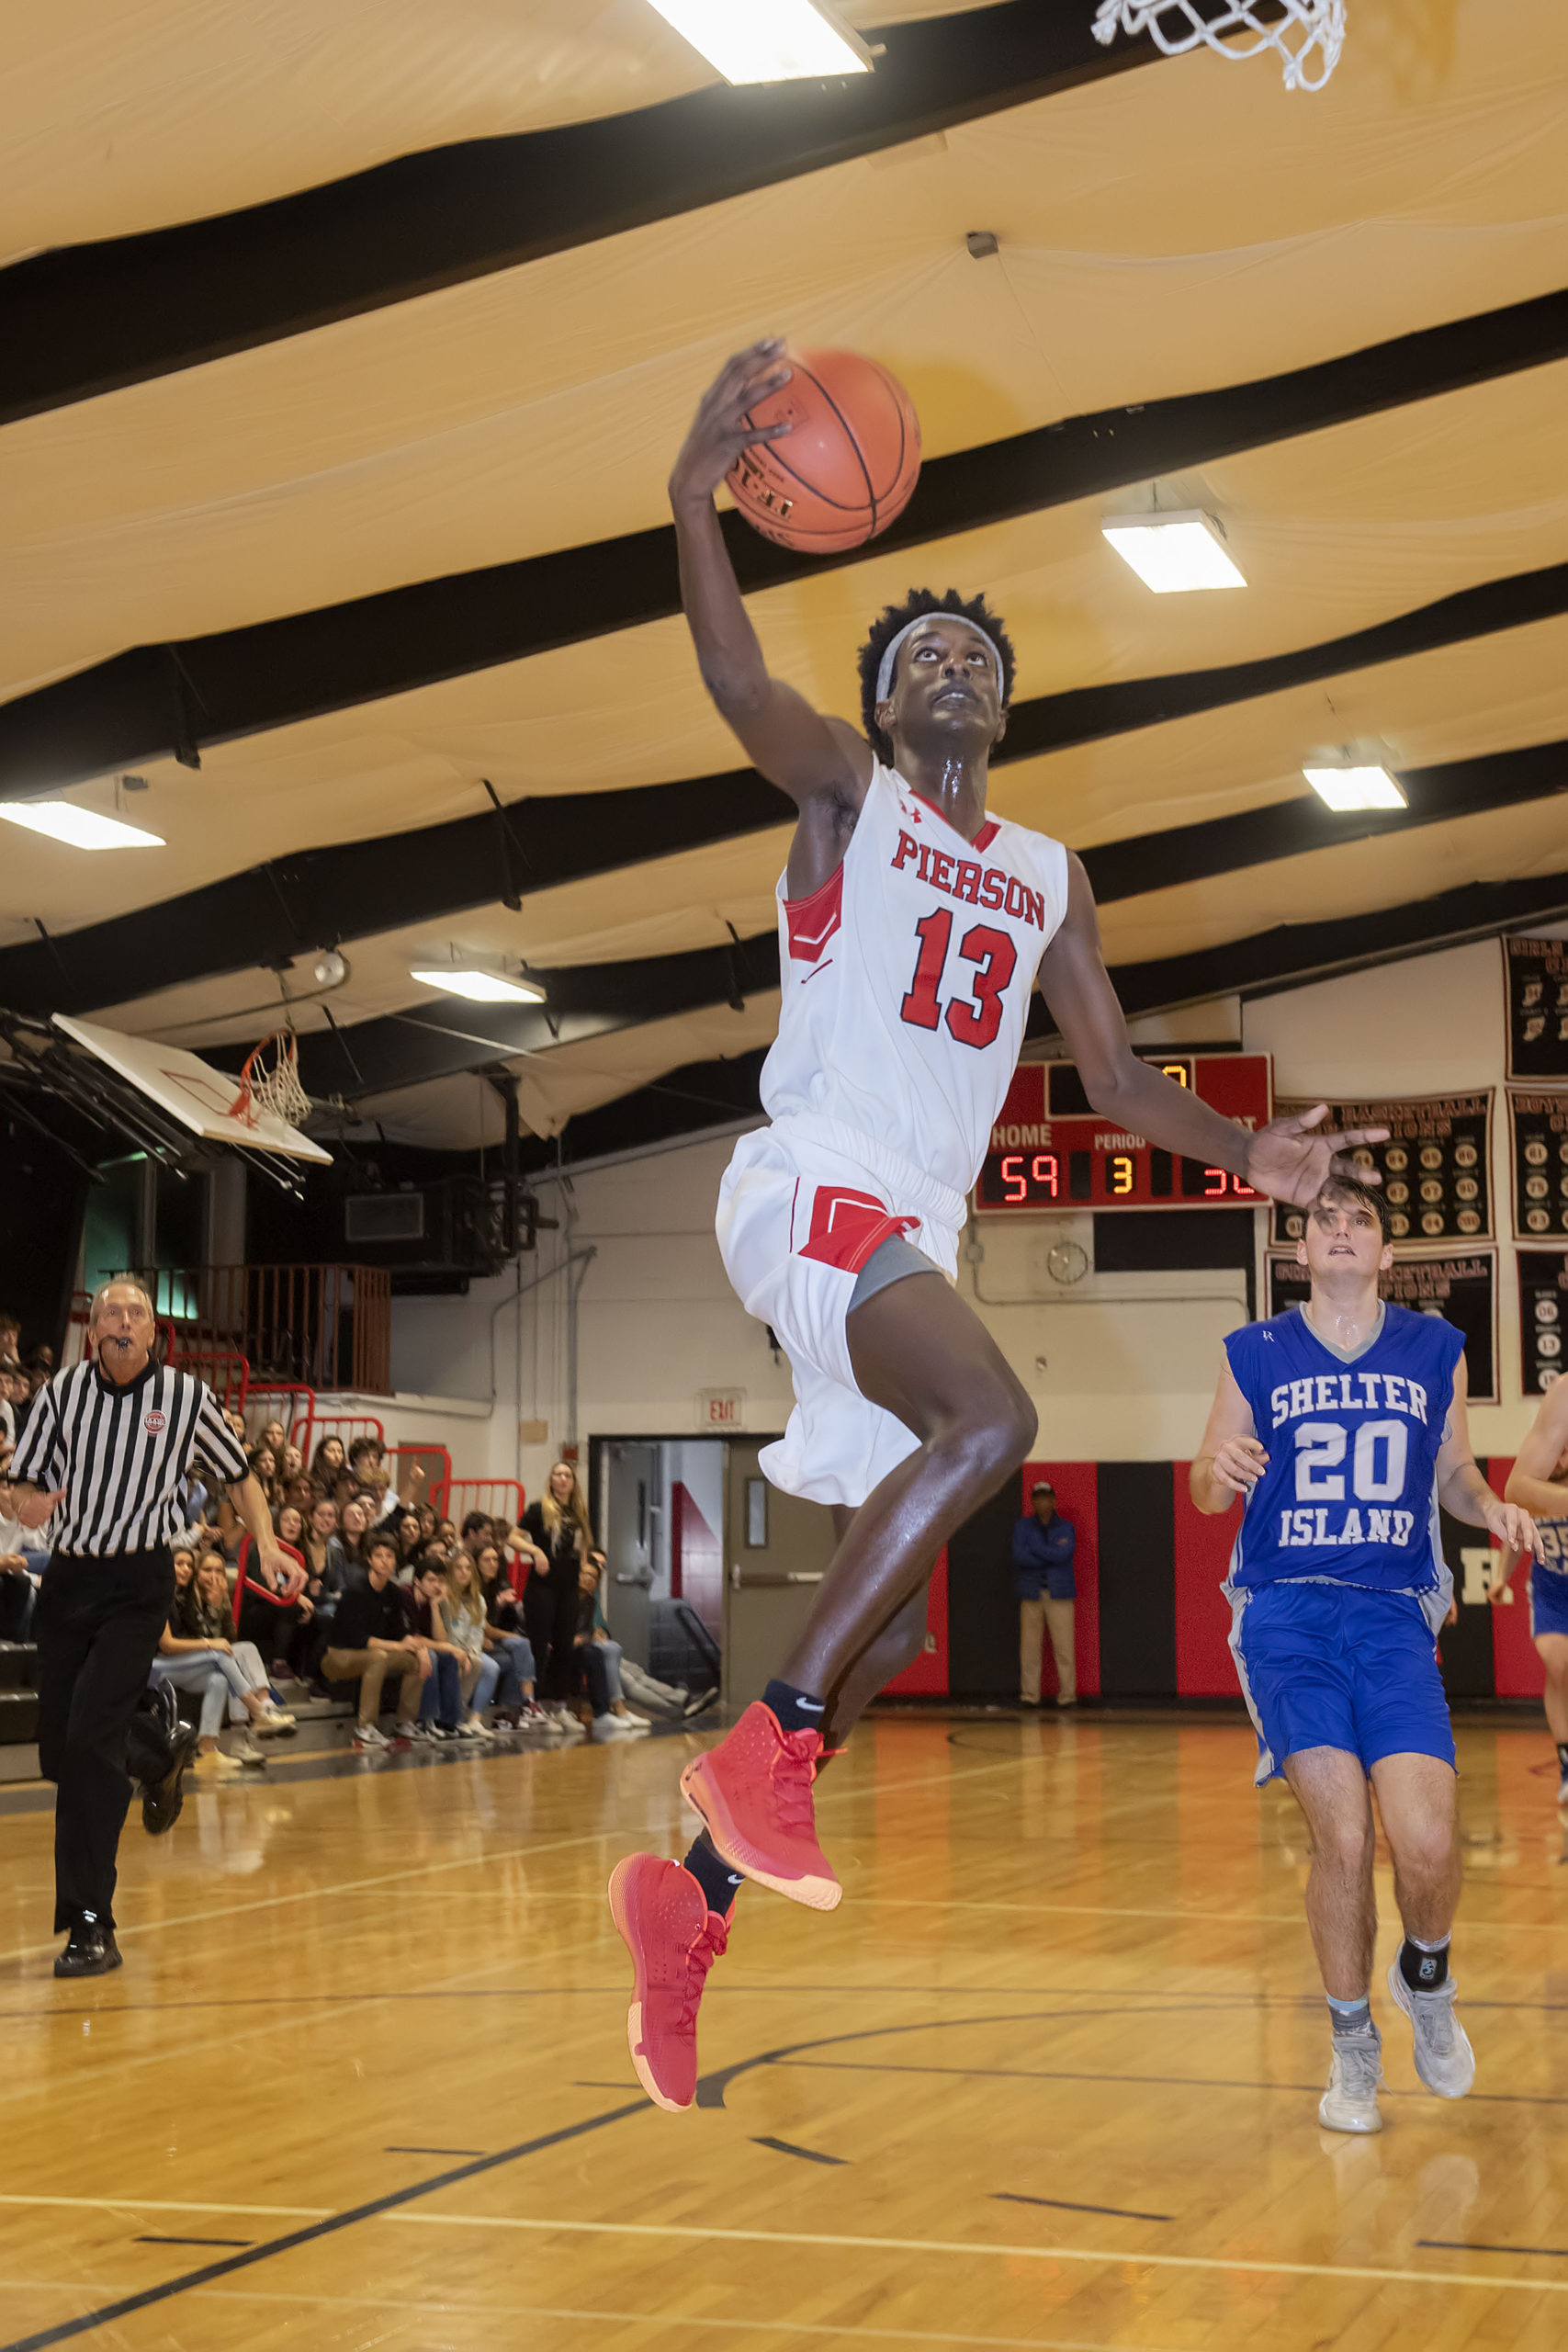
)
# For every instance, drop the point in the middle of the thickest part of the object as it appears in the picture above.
(1051, 1150)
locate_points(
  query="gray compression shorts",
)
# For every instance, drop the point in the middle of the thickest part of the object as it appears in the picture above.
(888, 1262)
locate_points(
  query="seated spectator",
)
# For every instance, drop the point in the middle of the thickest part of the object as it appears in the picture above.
(194, 1654)
(505, 1640)
(326, 1568)
(428, 1523)
(353, 1529)
(446, 1531)
(280, 1630)
(10, 1334)
(14, 1400)
(441, 1711)
(479, 1528)
(405, 1534)
(291, 1463)
(21, 1571)
(373, 1636)
(465, 1614)
(328, 1463)
(644, 1690)
(599, 1660)
(275, 1437)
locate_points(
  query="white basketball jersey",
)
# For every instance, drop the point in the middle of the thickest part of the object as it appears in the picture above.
(906, 979)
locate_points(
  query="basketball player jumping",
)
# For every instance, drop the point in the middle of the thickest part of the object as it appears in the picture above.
(1539, 1482)
(1342, 1425)
(913, 928)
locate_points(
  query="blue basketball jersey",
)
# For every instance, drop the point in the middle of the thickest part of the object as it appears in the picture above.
(1349, 1495)
(1553, 1534)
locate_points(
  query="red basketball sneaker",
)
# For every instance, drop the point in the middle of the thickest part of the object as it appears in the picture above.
(673, 1939)
(753, 1791)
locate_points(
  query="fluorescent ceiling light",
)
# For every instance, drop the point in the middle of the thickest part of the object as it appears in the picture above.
(1347, 788)
(480, 988)
(1171, 553)
(767, 41)
(78, 828)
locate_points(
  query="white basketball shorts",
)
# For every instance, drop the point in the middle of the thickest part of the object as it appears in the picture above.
(802, 1206)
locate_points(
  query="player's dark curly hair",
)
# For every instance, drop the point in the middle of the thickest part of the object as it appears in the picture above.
(918, 602)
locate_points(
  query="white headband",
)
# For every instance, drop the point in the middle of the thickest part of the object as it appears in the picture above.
(885, 675)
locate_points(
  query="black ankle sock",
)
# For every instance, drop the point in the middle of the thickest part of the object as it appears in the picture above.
(796, 1709)
(719, 1883)
(1563, 1754)
(1424, 1966)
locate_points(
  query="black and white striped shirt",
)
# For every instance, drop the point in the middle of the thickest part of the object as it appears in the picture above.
(122, 1455)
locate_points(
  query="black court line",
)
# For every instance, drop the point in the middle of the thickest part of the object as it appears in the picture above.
(210, 2271)
(1475, 2245)
(454, 2151)
(151, 2241)
(788, 2148)
(1065, 2205)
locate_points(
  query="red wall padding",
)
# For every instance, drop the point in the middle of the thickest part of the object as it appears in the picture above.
(1520, 1672)
(928, 1675)
(1204, 1667)
(1077, 1499)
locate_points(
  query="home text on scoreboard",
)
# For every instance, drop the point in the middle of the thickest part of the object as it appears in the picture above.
(1050, 1149)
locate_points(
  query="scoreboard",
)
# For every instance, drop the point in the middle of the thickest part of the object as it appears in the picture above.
(1051, 1150)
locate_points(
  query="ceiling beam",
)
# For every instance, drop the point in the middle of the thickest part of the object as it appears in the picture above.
(702, 1095)
(293, 906)
(161, 701)
(396, 1050)
(84, 320)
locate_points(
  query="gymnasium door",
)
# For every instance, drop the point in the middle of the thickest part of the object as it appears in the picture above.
(631, 1515)
(777, 1550)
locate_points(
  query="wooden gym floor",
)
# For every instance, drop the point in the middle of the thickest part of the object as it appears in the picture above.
(1047, 2078)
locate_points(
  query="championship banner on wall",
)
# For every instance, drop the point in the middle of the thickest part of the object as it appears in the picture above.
(1463, 1290)
(1538, 1136)
(1436, 1167)
(1543, 1317)
(1535, 973)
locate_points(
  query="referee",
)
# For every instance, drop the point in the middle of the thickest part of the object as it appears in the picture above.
(109, 1445)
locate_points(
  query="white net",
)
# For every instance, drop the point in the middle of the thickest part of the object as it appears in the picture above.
(1306, 35)
(273, 1085)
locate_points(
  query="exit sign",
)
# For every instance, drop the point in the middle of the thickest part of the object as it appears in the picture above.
(1050, 1149)
(721, 1408)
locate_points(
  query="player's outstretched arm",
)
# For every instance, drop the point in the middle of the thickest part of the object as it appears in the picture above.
(807, 755)
(1533, 1481)
(1464, 1493)
(1290, 1158)
(1231, 1459)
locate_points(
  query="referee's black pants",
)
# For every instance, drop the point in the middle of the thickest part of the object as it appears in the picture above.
(96, 1626)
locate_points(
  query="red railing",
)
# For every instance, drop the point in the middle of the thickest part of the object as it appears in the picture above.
(495, 1497)
(226, 1373)
(270, 1400)
(434, 1460)
(322, 1327)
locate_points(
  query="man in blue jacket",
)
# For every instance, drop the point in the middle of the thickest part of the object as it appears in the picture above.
(1043, 1547)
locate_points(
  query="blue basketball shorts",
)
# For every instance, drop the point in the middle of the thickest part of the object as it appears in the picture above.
(1548, 1601)
(1337, 1665)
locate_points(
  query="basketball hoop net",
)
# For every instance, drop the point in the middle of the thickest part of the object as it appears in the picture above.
(1307, 34)
(275, 1089)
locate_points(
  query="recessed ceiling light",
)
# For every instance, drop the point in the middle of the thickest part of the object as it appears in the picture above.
(480, 988)
(78, 828)
(1173, 553)
(1348, 788)
(767, 41)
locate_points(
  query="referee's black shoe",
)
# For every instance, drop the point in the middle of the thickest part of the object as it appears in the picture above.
(162, 1799)
(90, 1950)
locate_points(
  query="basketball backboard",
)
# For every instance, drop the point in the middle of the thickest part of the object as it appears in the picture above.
(190, 1091)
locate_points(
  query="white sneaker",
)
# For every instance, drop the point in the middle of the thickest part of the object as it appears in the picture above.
(216, 1765)
(1444, 2059)
(274, 1722)
(248, 1753)
(643, 1723)
(1351, 2102)
(474, 1731)
(367, 1736)
(611, 1727)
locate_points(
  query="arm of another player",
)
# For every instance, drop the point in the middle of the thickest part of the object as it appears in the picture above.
(1464, 1493)
(1287, 1158)
(1231, 1459)
(1532, 1481)
(812, 758)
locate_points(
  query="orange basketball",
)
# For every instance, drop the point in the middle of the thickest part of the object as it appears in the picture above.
(849, 464)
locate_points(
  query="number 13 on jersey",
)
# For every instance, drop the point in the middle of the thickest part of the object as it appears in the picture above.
(973, 1009)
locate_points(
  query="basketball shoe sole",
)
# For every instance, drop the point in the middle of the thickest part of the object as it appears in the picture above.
(702, 1793)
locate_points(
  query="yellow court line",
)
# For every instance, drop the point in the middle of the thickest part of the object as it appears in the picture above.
(624, 2319)
(979, 2246)
(178, 2205)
